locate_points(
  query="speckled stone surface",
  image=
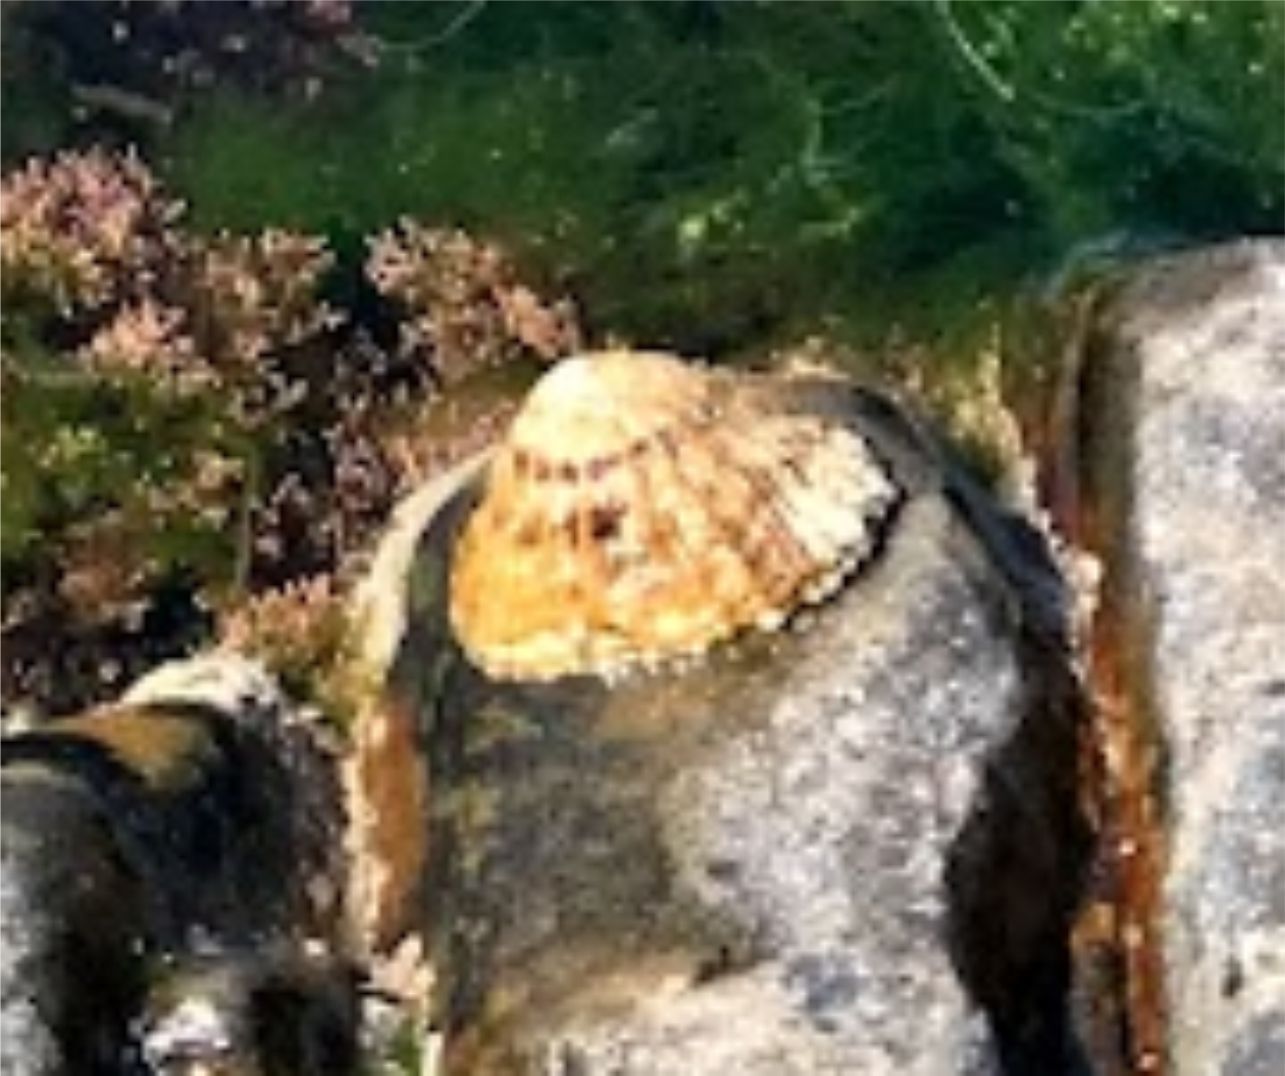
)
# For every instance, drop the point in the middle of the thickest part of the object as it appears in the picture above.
(192, 815)
(72, 916)
(1195, 347)
(849, 846)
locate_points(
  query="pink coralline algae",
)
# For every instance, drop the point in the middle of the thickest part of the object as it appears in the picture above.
(256, 293)
(186, 416)
(464, 302)
(75, 228)
(148, 339)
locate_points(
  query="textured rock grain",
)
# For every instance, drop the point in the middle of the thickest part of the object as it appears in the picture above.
(72, 915)
(193, 814)
(1193, 375)
(850, 846)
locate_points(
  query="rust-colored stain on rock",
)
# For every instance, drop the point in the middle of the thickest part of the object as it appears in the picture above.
(1084, 488)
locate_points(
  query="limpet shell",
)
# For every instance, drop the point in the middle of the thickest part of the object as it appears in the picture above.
(642, 508)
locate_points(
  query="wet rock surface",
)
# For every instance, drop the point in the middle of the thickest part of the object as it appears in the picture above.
(848, 846)
(69, 925)
(182, 818)
(271, 1010)
(1186, 460)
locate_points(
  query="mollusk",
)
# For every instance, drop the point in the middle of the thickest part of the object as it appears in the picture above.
(642, 508)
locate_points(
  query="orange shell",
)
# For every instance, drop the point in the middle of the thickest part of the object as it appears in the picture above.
(642, 508)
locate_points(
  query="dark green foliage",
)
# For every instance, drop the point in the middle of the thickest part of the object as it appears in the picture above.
(36, 99)
(1165, 113)
(705, 171)
(76, 445)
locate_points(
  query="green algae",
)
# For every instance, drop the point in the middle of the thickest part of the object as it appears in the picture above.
(707, 173)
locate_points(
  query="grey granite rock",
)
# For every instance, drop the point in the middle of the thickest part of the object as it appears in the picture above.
(272, 1010)
(1192, 375)
(186, 816)
(847, 847)
(72, 912)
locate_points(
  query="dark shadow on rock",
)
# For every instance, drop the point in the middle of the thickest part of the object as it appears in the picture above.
(74, 912)
(1017, 869)
(132, 833)
(213, 829)
(271, 1011)
(1016, 872)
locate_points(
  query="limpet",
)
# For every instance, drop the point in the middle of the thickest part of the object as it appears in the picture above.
(642, 508)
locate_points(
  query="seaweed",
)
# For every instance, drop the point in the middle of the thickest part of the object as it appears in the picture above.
(187, 420)
(704, 173)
